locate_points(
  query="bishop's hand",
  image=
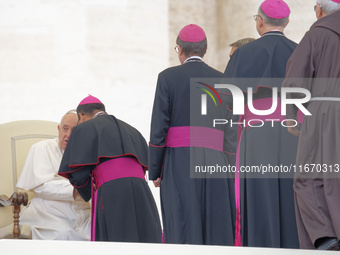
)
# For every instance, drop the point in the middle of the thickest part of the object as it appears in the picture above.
(157, 182)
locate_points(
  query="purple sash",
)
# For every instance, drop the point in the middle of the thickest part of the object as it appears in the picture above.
(110, 170)
(187, 136)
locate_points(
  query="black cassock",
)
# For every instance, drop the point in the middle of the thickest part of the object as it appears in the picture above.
(266, 201)
(125, 209)
(196, 207)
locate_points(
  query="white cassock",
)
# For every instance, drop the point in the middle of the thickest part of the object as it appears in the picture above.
(53, 214)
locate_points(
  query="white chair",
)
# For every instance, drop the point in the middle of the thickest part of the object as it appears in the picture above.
(16, 139)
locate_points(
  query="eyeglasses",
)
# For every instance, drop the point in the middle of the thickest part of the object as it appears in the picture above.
(256, 16)
(176, 49)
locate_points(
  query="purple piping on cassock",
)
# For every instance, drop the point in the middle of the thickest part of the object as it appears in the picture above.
(259, 104)
(93, 215)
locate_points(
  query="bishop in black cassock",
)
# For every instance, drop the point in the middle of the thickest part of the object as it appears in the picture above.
(265, 204)
(105, 159)
(195, 209)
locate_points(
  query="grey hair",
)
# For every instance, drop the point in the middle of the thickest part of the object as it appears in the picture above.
(271, 21)
(328, 6)
(73, 111)
(193, 48)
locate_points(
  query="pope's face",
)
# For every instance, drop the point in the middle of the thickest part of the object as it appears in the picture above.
(65, 128)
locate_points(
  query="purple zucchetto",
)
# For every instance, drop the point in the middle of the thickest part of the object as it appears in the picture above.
(192, 33)
(275, 9)
(90, 100)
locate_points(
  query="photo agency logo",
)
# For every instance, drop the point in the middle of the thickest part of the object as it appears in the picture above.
(257, 112)
(204, 97)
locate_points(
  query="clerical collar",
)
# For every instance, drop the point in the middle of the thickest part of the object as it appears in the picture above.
(193, 59)
(273, 32)
(99, 114)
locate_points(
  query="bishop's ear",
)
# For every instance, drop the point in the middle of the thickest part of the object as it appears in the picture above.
(287, 22)
(80, 118)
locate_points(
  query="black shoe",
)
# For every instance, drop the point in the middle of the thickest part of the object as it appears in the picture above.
(335, 247)
(332, 244)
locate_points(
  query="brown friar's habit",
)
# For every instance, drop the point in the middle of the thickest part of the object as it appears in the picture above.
(317, 180)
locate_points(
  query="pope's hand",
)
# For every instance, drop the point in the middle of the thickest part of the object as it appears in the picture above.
(76, 195)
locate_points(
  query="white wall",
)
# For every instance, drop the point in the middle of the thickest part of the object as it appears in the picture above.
(55, 52)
